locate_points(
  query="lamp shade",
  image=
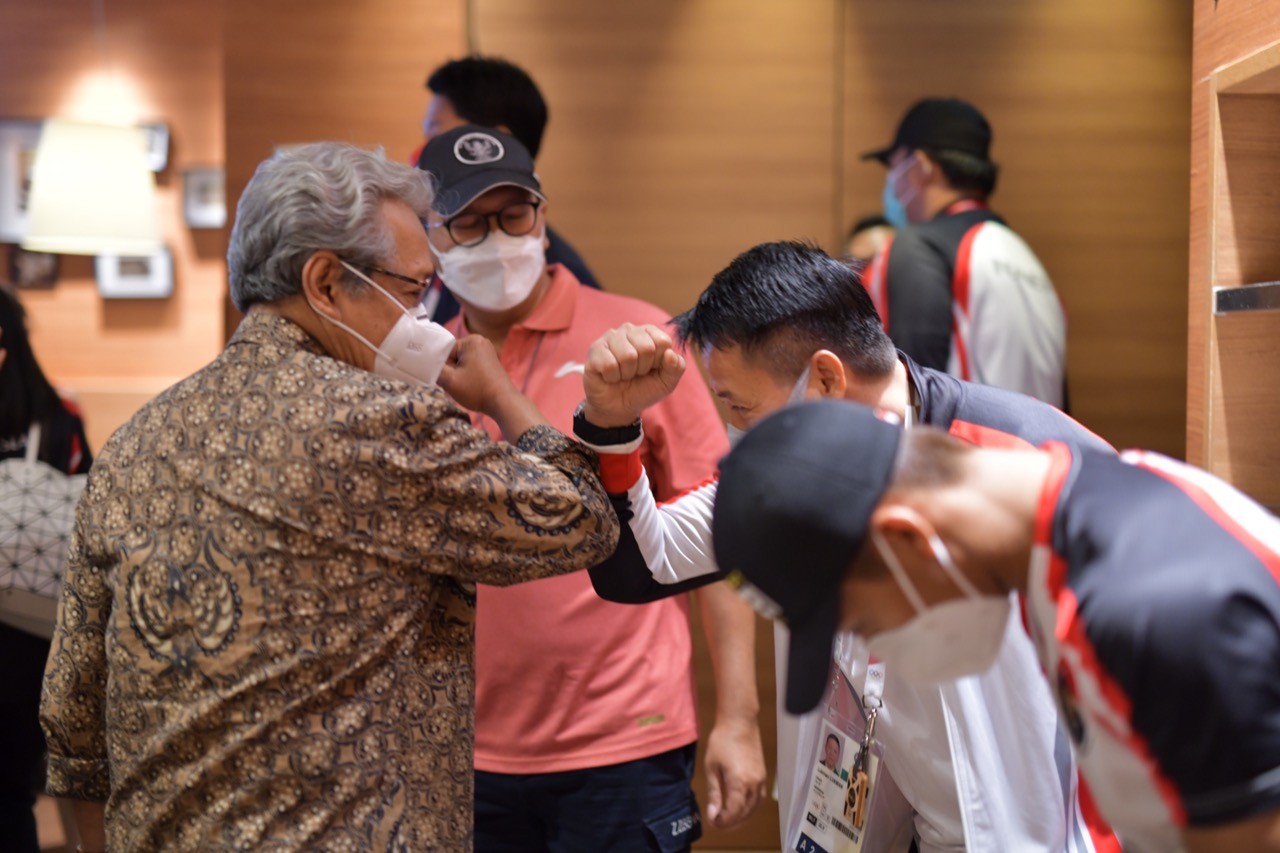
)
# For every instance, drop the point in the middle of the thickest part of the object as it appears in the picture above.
(92, 192)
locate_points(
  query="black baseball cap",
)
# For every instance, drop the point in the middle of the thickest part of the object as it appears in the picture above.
(791, 512)
(468, 161)
(942, 124)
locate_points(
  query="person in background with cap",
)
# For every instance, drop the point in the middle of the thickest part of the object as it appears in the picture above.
(957, 289)
(493, 92)
(585, 713)
(981, 761)
(1151, 590)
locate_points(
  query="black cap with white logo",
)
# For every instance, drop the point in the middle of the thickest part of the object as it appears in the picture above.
(469, 161)
(791, 512)
(940, 124)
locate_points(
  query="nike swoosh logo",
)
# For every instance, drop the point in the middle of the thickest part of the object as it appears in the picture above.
(571, 367)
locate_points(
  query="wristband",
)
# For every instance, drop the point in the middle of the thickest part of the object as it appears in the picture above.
(598, 436)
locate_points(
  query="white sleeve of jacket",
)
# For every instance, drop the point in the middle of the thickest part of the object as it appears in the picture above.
(674, 537)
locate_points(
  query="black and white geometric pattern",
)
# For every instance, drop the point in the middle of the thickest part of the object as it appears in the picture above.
(37, 511)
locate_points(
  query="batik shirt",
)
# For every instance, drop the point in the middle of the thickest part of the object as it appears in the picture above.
(266, 638)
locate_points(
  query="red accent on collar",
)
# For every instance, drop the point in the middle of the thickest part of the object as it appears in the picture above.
(963, 205)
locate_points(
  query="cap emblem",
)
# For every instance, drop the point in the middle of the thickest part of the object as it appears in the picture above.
(476, 149)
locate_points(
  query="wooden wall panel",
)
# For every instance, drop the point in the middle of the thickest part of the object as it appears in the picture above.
(168, 63)
(1088, 103)
(1233, 410)
(682, 131)
(302, 72)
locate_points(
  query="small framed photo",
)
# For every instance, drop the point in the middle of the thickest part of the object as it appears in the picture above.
(32, 270)
(157, 134)
(18, 141)
(204, 197)
(130, 277)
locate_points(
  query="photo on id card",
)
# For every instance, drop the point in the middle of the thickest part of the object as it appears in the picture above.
(842, 784)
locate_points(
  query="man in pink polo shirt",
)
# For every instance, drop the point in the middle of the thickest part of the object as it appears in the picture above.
(585, 717)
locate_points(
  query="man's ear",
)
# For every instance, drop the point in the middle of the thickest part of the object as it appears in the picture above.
(928, 168)
(321, 281)
(903, 528)
(827, 371)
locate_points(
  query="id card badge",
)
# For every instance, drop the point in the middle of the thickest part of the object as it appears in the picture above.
(845, 759)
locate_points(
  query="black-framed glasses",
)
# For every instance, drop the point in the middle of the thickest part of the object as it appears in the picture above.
(471, 229)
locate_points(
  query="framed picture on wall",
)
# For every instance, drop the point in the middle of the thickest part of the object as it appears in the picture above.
(203, 197)
(18, 140)
(157, 134)
(128, 277)
(32, 270)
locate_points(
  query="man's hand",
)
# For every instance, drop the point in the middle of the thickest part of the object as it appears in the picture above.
(628, 370)
(735, 772)
(473, 376)
(476, 380)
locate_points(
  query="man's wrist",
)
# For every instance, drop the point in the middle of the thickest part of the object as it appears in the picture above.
(738, 718)
(605, 419)
(604, 436)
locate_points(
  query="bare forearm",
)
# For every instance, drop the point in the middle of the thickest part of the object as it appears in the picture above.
(735, 763)
(730, 627)
(515, 415)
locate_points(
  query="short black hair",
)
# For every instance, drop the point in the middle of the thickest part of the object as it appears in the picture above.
(866, 223)
(782, 302)
(27, 393)
(966, 172)
(490, 91)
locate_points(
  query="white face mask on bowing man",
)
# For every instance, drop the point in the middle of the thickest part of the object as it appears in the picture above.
(945, 641)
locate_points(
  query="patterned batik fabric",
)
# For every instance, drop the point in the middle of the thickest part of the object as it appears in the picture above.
(266, 635)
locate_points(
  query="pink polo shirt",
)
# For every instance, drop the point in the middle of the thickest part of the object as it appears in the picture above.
(564, 679)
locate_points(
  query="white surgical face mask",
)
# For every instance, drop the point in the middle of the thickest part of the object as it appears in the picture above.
(947, 641)
(415, 350)
(796, 396)
(798, 390)
(497, 274)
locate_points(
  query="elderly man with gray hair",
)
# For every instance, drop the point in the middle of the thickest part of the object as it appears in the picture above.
(265, 639)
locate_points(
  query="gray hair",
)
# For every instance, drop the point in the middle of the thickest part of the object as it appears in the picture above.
(326, 195)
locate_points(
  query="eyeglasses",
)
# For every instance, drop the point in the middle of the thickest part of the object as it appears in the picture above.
(471, 229)
(419, 283)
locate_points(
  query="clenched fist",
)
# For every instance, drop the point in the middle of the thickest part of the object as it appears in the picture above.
(628, 370)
